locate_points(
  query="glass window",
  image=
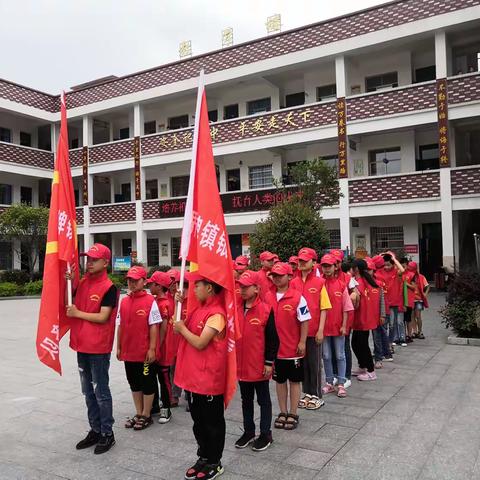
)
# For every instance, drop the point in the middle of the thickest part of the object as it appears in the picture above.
(150, 127)
(126, 247)
(151, 189)
(26, 195)
(180, 186)
(25, 139)
(386, 238)
(213, 115)
(381, 82)
(466, 59)
(385, 161)
(230, 111)
(425, 74)
(74, 143)
(175, 251)
(126, 192)
(152, 251)
(175, 123)
(259, 106)
(260, 177)
(467, 145)
(326, 92)
(6, 257)
(124, 133)
(5, 135)
(294, 99)
(428, 157)
(233, 180)
(5, 194)
(334, 239)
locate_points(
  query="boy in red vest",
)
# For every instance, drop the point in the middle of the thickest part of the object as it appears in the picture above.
(293, 262)
(256, 352)
(159, 284)
(91, 336)
(201, 370)
(137, 334)
(291, 321)
(267, 260)
(312, 287)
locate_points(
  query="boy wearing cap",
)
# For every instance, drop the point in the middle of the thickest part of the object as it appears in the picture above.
(293, 262)
(256, 352)
(291, 321)
(267, 260)
(422, 288)
(91, 335)
(312, 287)
(137, 334)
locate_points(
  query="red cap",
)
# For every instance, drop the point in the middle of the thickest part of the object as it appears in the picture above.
(412, 266)
(328, 259)
(97, 250)
(162, 278)
(307, 254)
(136, 272)
(281, 268)
(242, 260)
(338, 254)
(379, 261)
(239, 267)
(248, 278)
(265, 256)
(293, 259)
(174, 274)
(370, 264)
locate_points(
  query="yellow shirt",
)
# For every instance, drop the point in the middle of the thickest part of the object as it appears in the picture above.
(324, 300)
(218, 323)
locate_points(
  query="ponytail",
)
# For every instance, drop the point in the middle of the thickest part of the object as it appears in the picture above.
(361, 265)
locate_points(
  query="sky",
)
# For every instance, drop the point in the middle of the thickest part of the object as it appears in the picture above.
(52, 45)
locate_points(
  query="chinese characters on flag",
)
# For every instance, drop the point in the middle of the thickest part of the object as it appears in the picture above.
(442, 115)
(342, 137)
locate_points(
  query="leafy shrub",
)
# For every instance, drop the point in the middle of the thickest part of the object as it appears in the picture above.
(18, 277)
(10, 289)
(118, 280)
(158, 268)
(33, 288)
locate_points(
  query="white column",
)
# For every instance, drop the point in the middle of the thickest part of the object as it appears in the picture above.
(341, 76)
(447, 219)
(140, 234)
(90, 190)
(87, 131)
(344, 214)
(17, 264)
(441, 56)
(87, 236)
(54, 135)
(138, 121)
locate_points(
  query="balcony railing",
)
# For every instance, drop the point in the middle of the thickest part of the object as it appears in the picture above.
(107, 152)
(31, 157)
(79, 212)
(465, 181)
(113, 213)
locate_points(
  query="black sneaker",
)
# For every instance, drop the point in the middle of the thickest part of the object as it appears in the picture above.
(245, 440)
(105, 444)
(262, 442)
(89, 441)
(210, 471)
(192, 472)
(165, 415)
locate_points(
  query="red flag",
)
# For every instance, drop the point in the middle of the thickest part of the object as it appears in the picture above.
(205, 238)
(61, 249)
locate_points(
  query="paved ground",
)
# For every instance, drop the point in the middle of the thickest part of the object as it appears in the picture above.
(418, 421)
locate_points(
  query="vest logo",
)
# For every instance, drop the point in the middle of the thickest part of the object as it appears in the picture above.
(374, 290)
(95, 297)
(288, 307)
(254, 321)
(141, 313)
(312, 290)
(338, 294)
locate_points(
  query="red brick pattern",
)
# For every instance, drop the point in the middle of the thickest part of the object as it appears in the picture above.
(464, 89)
(122, 212)
(401, 187)
(416, 97)
(79, 215)
(75, 157)
(465, 181)
(27, 96)
(26, 156)
(111, 151)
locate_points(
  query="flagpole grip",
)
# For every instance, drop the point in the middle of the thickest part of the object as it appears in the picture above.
(178, 313)
(69, 285)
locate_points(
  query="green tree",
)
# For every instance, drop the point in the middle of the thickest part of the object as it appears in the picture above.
(26, 227)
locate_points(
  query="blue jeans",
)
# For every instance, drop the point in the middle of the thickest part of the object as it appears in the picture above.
(334, 346)
(348, 359)
(94, 379)
(396, 326)
(381, 345)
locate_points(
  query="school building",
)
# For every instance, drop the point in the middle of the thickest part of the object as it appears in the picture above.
(390, 96)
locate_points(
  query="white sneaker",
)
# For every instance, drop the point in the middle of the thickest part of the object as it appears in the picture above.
(165, 415)
(335, 381)
(348, 383)
(404, 344)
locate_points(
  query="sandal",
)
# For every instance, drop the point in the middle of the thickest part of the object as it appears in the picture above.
(314, 403)
(421, 336)
(280, 420)
(328, 388)
(342, 393)
(130, 423)
(303, 402)
(291, 425)
(142, 422)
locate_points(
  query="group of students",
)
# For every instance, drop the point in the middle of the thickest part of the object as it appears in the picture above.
(296, 319)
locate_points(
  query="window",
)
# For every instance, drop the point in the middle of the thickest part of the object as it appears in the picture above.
(233, 180)
(259, 106)
(425, 74)
(76, 194)
(213, 115)
(327, 92)
(330, 160)
(382, 162)
(467, 145)
(5, 135)
(150, 127)
(124, 133)
(175, 251)
(126, 192)
(5, 194)
(381, 82)
(175, 123)
(334, 239)
(6, 256)
(260, 177)
(428, 157)
(386, 238)
(230, 111)
(180, 186)
(466, 59)
(25, 139)
(152, 251)
(151, 189)
(294, 99)
(74, 143)
(26, 195)
(287, 178)
(126, 247)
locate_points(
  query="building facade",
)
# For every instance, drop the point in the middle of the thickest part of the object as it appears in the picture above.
(390, 96)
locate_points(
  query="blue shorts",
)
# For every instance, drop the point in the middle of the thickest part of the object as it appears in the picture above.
(419, 306)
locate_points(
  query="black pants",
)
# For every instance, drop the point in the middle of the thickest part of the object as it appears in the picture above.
(208, 425)
(163, 375)
(361, 349)
(248, 389)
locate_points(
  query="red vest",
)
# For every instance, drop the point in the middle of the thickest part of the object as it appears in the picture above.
(164, 306)
(286, 321)
(333, 323)
(251, 346)
(135, 330)
(203, 371)
(238, 294)
(311, 290)
(89, 337)
(266, 285)
(367, 315)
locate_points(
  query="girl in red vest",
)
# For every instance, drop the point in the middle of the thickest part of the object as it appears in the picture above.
(91, 336)
(256, 352)
(409, 298)
(367, 317)
(201, 370)
(137, 333)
